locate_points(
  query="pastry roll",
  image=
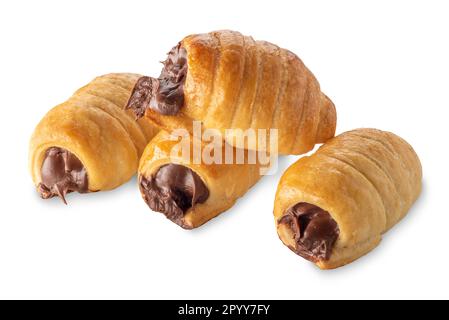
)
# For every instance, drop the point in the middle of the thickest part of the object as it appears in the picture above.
(333, 207)
(232, 83)
(189, 192)
(89, 143)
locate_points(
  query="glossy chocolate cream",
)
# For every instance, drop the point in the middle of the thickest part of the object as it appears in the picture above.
(165, 94)
(315, 232)
(62, 172)
(173, 190)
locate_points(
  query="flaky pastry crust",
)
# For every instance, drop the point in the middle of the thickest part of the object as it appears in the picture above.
(236, 83)
(93, 125)
(225, 182)
(366, 179)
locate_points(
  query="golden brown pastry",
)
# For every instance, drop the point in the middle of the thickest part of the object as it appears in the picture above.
(232, 83)
(333, 207)
(89, 143)
(190, 194)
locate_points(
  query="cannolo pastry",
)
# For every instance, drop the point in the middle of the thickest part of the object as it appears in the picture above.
(190, 192)
(333, 207)
(232, 83)
(89, 143)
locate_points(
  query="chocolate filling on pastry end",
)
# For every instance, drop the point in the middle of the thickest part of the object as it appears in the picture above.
(165, 94)
(314, 231)
(61, 172)
(173, 190)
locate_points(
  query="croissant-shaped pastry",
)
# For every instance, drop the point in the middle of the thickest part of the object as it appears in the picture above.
(232, 83)
(332, 207)
(187, 193)
(89, 142)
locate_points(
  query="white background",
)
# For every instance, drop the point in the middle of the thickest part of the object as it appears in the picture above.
(384, 64)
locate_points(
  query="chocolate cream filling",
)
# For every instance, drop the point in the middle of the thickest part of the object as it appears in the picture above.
(62, 172)
(165, 94)
(173, 190)
(314, 230)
